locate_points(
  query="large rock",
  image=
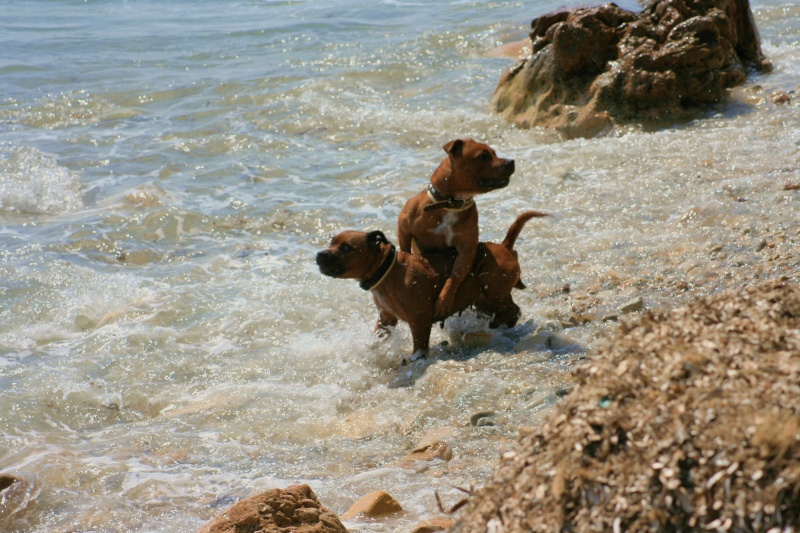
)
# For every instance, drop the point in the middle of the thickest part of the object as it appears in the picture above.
(592, 68)
(688, 421)
(295, 509)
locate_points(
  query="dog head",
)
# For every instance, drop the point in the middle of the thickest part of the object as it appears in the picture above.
(475, 168)
(352, 254)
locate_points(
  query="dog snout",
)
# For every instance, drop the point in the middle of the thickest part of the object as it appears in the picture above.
(329, 263)
(508, 166)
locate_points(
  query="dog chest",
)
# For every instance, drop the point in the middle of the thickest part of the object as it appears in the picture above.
(445, 227)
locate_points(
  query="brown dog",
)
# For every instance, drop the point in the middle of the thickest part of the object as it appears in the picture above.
(444, 214)
(404, 286)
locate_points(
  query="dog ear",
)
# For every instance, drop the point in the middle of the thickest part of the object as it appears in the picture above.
(375, 238)
(454, 147)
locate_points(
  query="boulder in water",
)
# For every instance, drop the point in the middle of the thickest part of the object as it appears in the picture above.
(595, 67)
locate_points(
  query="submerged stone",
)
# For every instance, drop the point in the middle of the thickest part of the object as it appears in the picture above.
(428, 452)
(434, 524)
(16, 494)
(632, 306)
(376, 504)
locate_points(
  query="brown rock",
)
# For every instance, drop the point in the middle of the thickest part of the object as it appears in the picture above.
(295, 509)
(593, 68)
(632, 306)
(513, 50)
(374, 505)
(16, 493)
(475, 339)
(780, 98)
(433, 525)
(438, 449)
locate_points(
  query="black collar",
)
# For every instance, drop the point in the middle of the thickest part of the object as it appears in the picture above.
(377, 277)
(442, 201)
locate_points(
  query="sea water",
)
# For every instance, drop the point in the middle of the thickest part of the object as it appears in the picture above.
(168, 171)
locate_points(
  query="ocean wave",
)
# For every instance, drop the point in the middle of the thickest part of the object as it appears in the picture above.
(35, 184)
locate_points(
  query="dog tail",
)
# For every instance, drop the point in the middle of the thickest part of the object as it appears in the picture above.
(516, 227)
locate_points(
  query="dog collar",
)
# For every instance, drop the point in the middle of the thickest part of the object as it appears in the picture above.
(442, 201)
(377, 278)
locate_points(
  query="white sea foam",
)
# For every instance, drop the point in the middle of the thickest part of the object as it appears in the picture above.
(35, 184)
(166, 338)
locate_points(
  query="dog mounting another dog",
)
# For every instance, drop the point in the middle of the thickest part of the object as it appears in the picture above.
(444, 215)
(441, 267)
(405, 286)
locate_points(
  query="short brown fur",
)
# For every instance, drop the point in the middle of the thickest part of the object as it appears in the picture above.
(410, 287)
(471, 168)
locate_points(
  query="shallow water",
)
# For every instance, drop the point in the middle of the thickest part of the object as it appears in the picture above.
(169, 170)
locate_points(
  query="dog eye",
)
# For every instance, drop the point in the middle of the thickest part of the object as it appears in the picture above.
(485, 156)
(346, 248)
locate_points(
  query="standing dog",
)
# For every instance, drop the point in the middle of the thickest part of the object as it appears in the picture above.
(444, 214)
(405, 286)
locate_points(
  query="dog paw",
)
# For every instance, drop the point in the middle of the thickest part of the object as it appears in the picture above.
(422, 353)
(444, 307)
(382, 334)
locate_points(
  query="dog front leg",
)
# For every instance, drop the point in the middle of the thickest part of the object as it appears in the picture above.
(461, 268)
(421, 335)
(403, 237)
(385, 321)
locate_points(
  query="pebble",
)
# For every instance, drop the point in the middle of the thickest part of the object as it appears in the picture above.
(439, 433)
(538, 400)
(438, 449)
(578, 319)
(476, 339)
(482, 418)
(374, 505)
(546, 339)
(780, 97)
(434, 524)
(632, 306)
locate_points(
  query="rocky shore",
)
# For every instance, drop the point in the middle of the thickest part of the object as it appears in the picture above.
(685, 420)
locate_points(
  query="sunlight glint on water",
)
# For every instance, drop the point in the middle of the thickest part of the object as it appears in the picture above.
(169, 170)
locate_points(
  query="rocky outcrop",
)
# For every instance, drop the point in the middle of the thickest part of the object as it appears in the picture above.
(592, 68)
(295, 509)
(687, 421)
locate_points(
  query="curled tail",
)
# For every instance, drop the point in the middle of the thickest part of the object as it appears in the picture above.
(513, 233)
(516, 227)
